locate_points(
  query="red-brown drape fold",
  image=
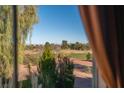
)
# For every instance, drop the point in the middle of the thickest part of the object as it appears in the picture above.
(104, 26)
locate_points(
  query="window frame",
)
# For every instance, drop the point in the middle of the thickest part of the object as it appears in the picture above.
(15, 46)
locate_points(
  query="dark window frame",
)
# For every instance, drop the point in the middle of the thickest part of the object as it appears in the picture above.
(15, 46)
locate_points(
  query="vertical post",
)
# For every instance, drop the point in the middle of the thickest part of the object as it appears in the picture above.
(95, 75)
(15, 44)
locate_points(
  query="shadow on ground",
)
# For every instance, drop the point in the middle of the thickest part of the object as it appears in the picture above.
(83, 82)
(83, 68)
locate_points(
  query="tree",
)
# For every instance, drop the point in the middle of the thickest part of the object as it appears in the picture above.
(27, 17)
(55, 73)
(79, 46)
(64, 44)
(47, 67)
(72, 46)
(6, 48)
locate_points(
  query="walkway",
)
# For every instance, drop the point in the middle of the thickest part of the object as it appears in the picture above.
(83, 78)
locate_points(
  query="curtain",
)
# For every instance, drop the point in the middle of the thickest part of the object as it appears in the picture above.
(104, 27)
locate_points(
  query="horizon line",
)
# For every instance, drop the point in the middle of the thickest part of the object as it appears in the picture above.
(42, 43)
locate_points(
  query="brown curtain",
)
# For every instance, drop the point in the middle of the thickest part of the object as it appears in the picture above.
(104, 26)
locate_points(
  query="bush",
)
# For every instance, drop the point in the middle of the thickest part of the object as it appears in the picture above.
(47, 67)
(88, 56)
(65, 73)
(54, 73)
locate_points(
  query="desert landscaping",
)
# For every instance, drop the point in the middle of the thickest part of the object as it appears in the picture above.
(82, 67)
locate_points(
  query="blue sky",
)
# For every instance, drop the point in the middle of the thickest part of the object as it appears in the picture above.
(57, 23)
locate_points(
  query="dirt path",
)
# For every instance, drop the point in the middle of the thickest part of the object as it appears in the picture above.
(82, 78)
(24, 71)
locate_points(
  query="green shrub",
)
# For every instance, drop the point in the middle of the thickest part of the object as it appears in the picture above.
(65, 75)
(47, 67)
(25, 83)
(88, 56)
(54, 73)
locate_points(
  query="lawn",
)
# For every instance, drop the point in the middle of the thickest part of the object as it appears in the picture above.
(81, 56)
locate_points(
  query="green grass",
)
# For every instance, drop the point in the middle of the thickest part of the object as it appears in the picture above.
(81, 56)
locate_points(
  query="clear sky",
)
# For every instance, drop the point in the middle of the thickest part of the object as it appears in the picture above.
(57, 23)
